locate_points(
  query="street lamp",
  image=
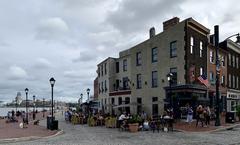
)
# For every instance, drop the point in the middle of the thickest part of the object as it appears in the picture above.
(52, 82)
(237, 37)
(43, 107)
(88, 91)
(169, 77)
(34, 115)
(217, 107)
(26, 91)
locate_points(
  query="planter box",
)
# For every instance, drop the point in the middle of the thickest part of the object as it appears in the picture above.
(133, 127)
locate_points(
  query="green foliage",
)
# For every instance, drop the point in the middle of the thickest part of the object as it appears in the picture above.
(238, 110)
(135, 119)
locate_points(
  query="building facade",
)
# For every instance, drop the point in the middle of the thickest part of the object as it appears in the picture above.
(233, 74)
(137, 80)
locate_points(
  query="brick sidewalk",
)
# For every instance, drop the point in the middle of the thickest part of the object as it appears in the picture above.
(12, 130)
(183, 126)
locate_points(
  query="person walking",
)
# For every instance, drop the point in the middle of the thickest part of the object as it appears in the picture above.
(189, 114)
(199, 115)
(207, 115)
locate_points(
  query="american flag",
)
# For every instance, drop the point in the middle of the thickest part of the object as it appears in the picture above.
(203, 79)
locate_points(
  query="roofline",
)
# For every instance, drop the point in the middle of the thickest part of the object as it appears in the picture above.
(106, 60)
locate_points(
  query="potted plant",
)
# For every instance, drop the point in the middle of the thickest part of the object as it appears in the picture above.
(238, 112)
(133, 123)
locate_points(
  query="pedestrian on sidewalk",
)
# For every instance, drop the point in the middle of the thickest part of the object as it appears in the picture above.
(199, 115)
(207, 115)
(189, 114)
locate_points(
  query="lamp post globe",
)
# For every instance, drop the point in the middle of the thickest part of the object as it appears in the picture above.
(26, 102)
(52, 82)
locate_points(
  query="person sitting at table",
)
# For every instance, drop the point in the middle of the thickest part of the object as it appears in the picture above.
(146, 125)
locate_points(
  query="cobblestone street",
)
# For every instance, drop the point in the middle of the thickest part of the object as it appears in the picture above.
(84, 135)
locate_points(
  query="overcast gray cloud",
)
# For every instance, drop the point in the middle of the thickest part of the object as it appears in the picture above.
(66, 39)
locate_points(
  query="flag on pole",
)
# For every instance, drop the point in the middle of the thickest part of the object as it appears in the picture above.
(203, 79)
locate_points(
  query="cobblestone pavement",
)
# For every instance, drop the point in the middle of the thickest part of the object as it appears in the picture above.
(84, 135)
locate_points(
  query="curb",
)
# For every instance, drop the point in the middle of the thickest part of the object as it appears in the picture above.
(221, 128)
(30, 138)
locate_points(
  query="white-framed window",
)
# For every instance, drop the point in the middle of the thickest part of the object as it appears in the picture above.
(223, 60)
(191, 44)
(201, 49)
(201, 71)
(211, 77)
(223, 80)
(211, 56)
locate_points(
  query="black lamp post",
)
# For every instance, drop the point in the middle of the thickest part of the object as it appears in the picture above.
(52, 82)
(26, 91)
(88, 91)
(169, 77)
(34, 115)
(81, 98)
(16, 103)
(43, 104)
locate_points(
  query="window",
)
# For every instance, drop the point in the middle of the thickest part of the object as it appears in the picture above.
(139, 81)
(211, 56)
(223, 80)
(113, 101)
(174, 77)
(229, 59)
(154, 99)
(154, 54)
(211, 78)
(201, 48)
(105, 67)
(102, 69)
(233, 61)
(201, 71)
(229, 81)
(173, 49)
(124, 65)
(127, 100)
(120, 101)
(117, 84)
(99, 88)
(117, 67)
(125, 83)
(102, 87)
(139, 107)
(154, 79)
(98, 71)
(233, 105)
(191, 44)
(237, 61)
(139, 58)
(233, 81)
(223, 61)
(154, 109)
(105, 85)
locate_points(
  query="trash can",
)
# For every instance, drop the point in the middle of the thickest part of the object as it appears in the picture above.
(230, 117)
(54, 125)
(49, 121)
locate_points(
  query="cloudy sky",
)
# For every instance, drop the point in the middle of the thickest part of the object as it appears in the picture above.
(66, 39)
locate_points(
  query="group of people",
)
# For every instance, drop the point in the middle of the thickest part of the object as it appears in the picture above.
(203, 114)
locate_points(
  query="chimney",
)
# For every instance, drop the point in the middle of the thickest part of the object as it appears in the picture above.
(152, 32)
(169, 23)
